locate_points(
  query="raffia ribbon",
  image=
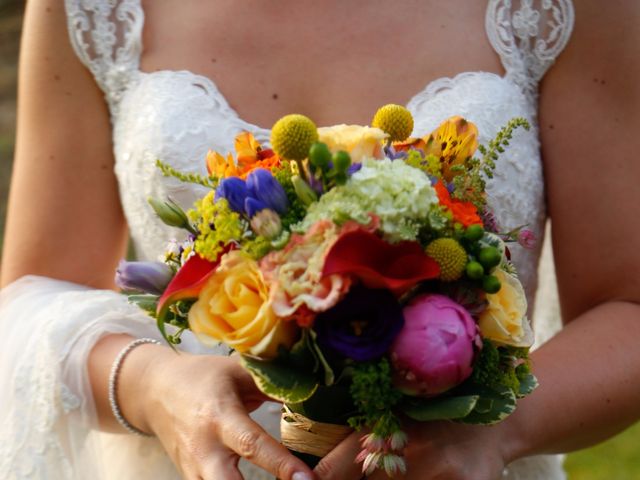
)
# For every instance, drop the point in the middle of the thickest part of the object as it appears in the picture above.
(301, 434)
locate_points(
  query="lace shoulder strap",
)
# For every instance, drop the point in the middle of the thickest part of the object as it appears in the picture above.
(529, 35)
(107, 37)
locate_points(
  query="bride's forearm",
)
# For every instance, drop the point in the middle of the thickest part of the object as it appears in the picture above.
(589, 376)
(132, 385)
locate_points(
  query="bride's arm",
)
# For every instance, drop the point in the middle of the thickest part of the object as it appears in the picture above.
(589, 373)
(65, 222)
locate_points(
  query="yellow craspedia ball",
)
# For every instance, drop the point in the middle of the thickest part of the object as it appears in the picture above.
(293, 135)
(395, 120)
(450, 256)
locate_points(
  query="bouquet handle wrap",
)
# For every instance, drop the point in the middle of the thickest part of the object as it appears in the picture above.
(308, 439)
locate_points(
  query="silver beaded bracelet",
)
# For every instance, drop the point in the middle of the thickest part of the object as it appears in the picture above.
(113, 380)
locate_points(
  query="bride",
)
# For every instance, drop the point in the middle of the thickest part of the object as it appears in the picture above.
(154, 63)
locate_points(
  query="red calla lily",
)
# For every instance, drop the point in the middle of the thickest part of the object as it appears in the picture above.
(378, 264)
(187, 282)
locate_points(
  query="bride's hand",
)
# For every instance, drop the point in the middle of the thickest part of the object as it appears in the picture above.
(436, 451)
(198, 408)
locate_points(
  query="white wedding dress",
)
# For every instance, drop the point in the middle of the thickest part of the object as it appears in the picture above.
(49, 327)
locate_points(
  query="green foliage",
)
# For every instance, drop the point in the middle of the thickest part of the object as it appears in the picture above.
(429, 164)
(375, 398)
(502, 367)
(470, 186)
(493, 406)
(168, 171)
(447, 408)
(297, 210)
(280, 381)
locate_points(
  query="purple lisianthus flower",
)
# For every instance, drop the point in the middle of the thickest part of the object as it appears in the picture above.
(233, 190)
(149, 277)
(362, 326)
(262, 186)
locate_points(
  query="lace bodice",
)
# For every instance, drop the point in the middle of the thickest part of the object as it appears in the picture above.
(177, 116)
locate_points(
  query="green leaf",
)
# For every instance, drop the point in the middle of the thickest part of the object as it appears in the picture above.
(146, 302)
(527, 385)
(450, 408)
(329, 377)
(492, 407)
(280, 381)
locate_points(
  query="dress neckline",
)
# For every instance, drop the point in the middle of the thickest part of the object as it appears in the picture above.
(431, 89)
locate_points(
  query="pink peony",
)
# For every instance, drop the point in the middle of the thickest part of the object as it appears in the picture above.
(436, 347)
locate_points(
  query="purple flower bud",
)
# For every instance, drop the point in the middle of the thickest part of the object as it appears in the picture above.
(527, 238)
(353, 168)
(436, 347)
(252, 206)
(263, 186)
(149, 277)
(233, 190)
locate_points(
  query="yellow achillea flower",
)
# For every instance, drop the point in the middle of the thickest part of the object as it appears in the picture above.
(453, 142)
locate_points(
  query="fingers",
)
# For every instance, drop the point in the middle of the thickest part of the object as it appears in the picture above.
(340, 463)
(221, 464)
(250, 441)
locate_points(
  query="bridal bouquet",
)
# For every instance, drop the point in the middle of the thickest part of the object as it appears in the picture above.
(359, 273)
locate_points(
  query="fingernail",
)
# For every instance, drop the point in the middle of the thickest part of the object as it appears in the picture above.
(301, 476)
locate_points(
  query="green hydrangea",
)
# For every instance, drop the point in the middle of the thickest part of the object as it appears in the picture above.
(398, 194)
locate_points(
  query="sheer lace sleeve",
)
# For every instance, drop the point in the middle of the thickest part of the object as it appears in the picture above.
(107, 37)
(529, 35)
(47, 414)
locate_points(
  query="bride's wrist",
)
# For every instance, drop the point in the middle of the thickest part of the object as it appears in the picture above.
(137, 386)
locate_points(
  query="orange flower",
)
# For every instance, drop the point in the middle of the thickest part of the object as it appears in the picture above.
(409, 143)
(249, 154)
(463, 212)
(453, 142)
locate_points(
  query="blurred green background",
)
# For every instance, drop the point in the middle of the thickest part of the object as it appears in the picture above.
(617, 459)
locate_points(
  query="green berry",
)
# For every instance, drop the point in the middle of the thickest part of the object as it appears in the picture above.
(489, 257)
(341, 161)
(491, 284)
(475, 270)
(319, 155)
(474, 233)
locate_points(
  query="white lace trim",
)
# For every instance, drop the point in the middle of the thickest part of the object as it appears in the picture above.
(529, 35)
(107, 37)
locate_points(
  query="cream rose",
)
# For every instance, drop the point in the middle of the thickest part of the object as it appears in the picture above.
(361, 142)
(234, 308)
(505, 319)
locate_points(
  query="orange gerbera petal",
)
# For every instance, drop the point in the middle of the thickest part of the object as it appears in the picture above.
(464, 212)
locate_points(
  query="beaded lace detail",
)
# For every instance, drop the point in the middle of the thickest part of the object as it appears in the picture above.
(529, 35)
(178, 116)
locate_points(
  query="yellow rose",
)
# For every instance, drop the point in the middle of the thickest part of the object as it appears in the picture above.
(360, 142)
(233, 308)
(505, 319)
